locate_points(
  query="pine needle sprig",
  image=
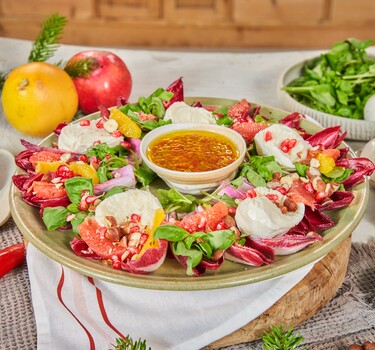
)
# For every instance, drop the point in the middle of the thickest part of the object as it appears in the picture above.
(81, 68)
(279, 339)
(46, 42)
(129, 344)
(2, 80)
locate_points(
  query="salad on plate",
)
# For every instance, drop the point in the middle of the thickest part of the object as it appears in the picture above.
(94, 182)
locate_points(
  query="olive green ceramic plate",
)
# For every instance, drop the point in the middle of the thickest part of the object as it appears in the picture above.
(171, 276)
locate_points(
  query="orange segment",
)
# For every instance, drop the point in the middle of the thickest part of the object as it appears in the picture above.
(125, 124)
(84, 170)
(42, 167)
(151, 243)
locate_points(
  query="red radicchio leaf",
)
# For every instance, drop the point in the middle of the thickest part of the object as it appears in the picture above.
(293, 120)
(329, 137)
(82, 249)
(361, 166)
(252, 253)
(35, 148)
(314, 220)
(149, 261)
(290, 243)
(58, 129)
(22, 160)
(338, 199)
(177, 87)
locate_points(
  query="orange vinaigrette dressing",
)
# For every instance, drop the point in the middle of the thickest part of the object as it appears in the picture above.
(192, 151)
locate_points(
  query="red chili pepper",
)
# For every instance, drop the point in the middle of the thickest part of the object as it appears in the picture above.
(11, 257)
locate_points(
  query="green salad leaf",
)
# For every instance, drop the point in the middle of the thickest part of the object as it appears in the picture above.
(338, 82)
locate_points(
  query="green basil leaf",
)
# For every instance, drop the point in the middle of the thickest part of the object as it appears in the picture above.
(301, 169)
(76, 185)
(55, 217)
(194, 256)
(171, 233)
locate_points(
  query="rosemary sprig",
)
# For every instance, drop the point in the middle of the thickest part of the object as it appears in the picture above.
(81, 68)
(45, 44)
(279, 339)
(129, 344)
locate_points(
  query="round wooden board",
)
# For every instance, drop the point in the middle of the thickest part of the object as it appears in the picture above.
(301, 302)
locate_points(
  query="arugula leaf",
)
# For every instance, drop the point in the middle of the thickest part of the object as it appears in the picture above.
(101, 150)
(337, 174)
(144, 174)
(301, 169)
(266, 167)
(252, 176)
(76, 185)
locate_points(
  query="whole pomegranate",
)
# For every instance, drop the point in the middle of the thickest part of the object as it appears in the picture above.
(107, 79)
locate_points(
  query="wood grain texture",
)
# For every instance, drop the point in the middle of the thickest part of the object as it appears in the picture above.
(211, 24)
(301, 302)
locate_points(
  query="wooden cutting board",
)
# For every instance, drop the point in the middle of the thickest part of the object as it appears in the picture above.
(301, 302)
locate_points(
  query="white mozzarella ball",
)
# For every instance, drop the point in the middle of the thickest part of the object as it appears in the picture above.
(77, 138)
(271, 144)
(180, 112)
(259, 217)
(122, 205)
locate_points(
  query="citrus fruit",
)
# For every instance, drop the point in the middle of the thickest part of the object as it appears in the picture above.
(89, 231)
(85, 170)
(37, 97)
(125, 124)
(248, 129)
(47, 190)
(205, 220)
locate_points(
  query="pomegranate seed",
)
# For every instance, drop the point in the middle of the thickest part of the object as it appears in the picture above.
(281, 189)
(309, 187)
(135, 218)
(221, 226)
(108, 156)
(100, 123)
(232, 210)
(116, 133)
(320, 196)
(90, 199)
(98, 142)
(83, 158)
(292, 143)
(272, 196)
(268, 136)
(134, 228)
(84, 122)
(126, 144)
(251, 193)
(64, 172)
(83, 205)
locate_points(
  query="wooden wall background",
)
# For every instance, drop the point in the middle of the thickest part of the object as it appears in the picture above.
(208, 24)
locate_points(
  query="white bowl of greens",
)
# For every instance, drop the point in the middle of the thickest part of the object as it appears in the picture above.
(333, 88)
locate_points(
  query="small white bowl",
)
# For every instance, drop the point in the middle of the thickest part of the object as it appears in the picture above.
(356, 129)
(195, 182)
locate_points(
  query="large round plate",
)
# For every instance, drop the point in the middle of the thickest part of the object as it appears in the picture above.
(362, 130)
(171, 276)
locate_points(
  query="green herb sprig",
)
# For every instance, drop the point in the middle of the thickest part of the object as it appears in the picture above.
(129, 344)
(46, 42)
(338, 82)
(279, 339)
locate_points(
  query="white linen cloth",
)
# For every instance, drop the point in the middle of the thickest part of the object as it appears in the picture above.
(73, 311)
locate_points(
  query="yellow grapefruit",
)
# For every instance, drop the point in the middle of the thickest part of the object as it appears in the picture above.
(37, 97)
